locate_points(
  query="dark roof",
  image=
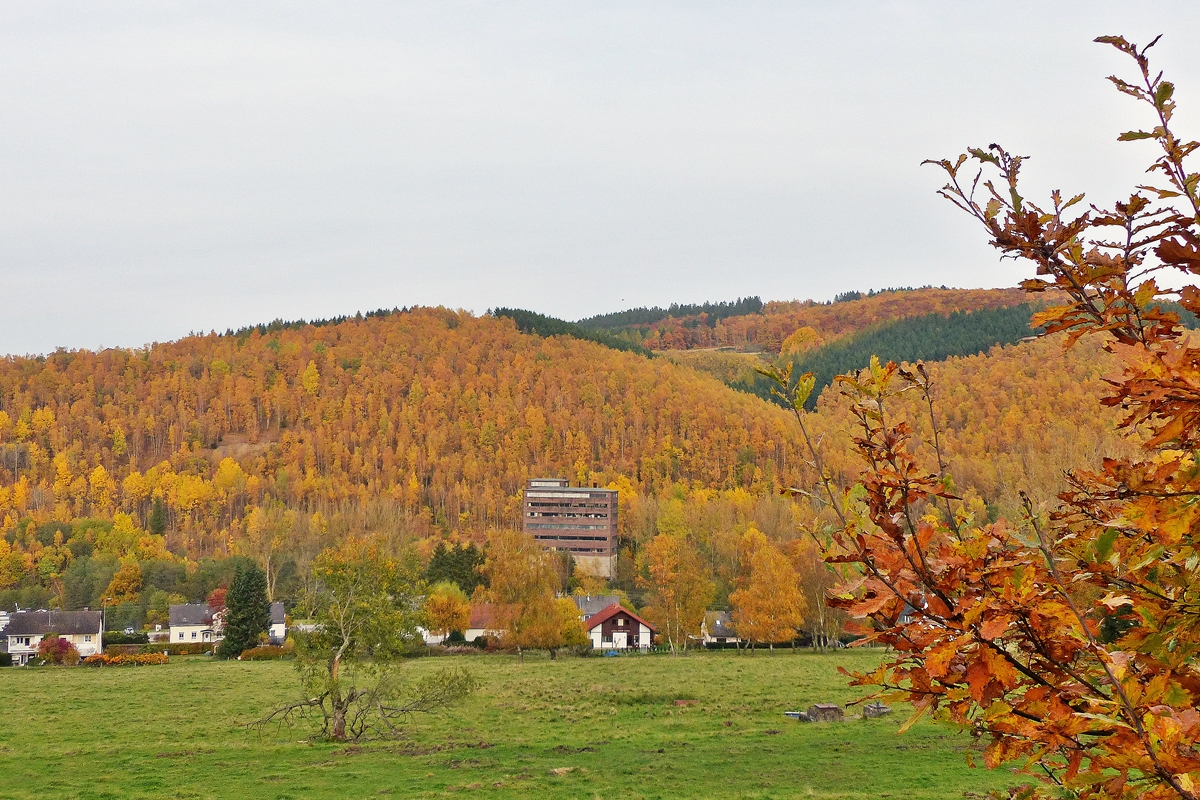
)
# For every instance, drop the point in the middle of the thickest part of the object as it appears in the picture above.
(191, 614)
(611, 612)
(278, 615)
(720, 624)
(594, 604)
(61, 622)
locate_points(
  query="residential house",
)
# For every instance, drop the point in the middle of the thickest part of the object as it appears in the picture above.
(278, 630)
(485, 621)
(26, 629)
(192, 622)
(617, 628)
(590, 605)
(717, 629)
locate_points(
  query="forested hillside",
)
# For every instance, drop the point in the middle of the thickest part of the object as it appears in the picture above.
(769, 327)
(930, 337)
(421, 426)
(442, 415)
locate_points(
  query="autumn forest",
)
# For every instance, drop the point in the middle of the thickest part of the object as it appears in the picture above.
(421, 426)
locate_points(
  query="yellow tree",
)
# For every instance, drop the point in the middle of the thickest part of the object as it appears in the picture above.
(769, 605)
(447, 609)
(125, 584)
(521, 581)
(264, 534)
(680, 587)
(101, 490)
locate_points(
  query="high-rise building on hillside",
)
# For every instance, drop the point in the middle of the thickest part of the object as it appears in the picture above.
(579, 520)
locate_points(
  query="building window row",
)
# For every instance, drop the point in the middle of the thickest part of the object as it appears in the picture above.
(571, 538)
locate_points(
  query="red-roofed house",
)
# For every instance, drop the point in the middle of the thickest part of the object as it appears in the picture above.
(485, 621)
(617, 628)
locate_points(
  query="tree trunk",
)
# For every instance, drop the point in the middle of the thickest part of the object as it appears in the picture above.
(338, 733)
(553, 653)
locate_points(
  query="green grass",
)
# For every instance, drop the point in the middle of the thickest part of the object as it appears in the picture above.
(176, 731)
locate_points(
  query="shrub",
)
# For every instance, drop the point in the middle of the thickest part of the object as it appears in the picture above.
(178, 648)
(481, 642)
(122, 649)
(125, 660)
(58, 651)
(266, 653)
(5, 659)
(118, 637)
(456, 637)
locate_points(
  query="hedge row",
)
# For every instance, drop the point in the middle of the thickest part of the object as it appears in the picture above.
(266, 652)
(127, 660)
(171, 648)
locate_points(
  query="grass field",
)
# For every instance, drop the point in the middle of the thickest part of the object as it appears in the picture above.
(575, 727)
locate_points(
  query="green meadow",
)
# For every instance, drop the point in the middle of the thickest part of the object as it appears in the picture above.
(570, 728)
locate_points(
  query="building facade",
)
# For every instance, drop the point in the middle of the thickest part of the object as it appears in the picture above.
(26, 629)
(617, 628)
(579, 520)
(193, 622)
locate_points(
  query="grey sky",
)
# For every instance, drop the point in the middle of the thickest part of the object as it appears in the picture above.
(168, 167)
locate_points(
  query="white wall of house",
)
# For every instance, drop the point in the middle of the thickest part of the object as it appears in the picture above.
(278, 632)
(187, 634)
(638, 635)
(23, 648)
(471, 634)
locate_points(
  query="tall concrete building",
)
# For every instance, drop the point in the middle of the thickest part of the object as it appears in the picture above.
(579, 520)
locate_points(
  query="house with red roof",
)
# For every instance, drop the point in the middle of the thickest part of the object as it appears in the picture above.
(618, 628)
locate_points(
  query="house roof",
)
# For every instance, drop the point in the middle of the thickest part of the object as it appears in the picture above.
(191, 614)
(487, 616)
(610, 612)
(594, 604)
(720, 624)
(278, 615)
(60, 622)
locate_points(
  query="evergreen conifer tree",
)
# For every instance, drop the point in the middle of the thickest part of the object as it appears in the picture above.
(247, 612)
(158, 518)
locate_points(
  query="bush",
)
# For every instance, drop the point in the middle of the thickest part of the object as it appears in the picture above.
(456, 637)
(58, 651)
(179, 648)
(266, 652)
(122, 649)
(5, 659)
(126, 638)
(481, 642)
(130, 660)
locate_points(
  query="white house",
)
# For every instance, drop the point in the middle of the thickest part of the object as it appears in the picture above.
(26, 629)
(717, 628)
(278, 629)
(192, 622)
(484, 622)
(617, 628)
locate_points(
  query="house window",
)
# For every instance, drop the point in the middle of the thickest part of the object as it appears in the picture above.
(181, 636)
(23, 640)
(620, 623)
(87, 638)
(193, 634)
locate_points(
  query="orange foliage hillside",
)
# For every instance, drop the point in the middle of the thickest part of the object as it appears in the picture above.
(778, 320)
(443, 413)
(1012, 419)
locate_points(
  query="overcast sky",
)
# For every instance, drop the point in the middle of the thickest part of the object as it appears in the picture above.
(175, 167)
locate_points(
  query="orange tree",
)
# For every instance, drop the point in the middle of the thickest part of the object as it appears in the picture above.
(1067, 639)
